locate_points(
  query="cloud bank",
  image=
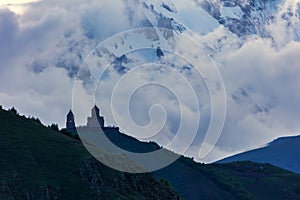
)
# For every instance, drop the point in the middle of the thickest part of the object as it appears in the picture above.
(42, 50)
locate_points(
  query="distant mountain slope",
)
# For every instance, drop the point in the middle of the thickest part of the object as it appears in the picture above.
(38, 163)
(282, 152)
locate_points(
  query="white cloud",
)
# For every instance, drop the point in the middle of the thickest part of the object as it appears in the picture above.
(46, 95)
(262, 86)
(44, 46)
(41, 49)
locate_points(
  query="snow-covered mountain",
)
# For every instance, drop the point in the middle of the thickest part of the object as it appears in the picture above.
(269, 19)
(282, 152)
(220, 24)
(277, 20)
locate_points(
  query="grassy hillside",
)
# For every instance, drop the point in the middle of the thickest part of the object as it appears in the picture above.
(38, 163)
(263, 181)
(239, 180)
(243, 180)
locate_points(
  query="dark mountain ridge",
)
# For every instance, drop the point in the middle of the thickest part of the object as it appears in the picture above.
(282, 152)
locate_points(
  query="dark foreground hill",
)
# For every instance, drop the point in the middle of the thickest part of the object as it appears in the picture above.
(282, 152)
(232, 181)
(38, 163)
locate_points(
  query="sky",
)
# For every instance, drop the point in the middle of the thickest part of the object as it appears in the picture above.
(43, 45)
(17, 6)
